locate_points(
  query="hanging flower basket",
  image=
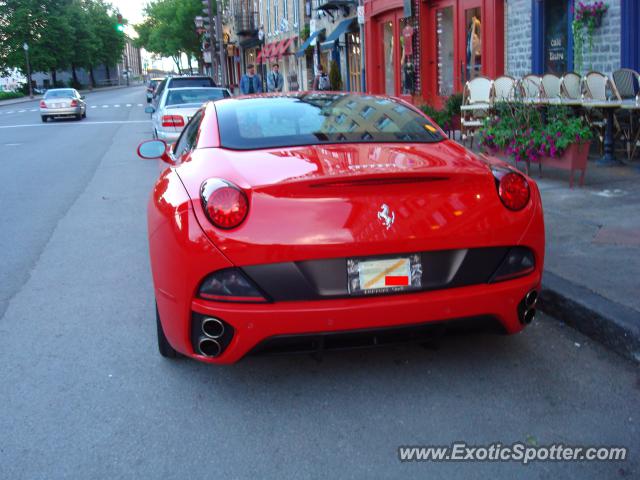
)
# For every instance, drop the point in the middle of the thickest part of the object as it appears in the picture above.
(587, 18)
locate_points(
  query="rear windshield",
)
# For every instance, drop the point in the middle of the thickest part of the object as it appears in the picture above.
(63, 93)
(191, 82)
(195, 95)
(310, 119)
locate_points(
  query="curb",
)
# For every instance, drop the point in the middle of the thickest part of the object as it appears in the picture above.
(612, 324)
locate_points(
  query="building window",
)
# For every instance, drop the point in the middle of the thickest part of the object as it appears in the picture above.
(552, 46)
(275, 17)
(355, 62)
(296, 13)
(268, 24)
(444, 38)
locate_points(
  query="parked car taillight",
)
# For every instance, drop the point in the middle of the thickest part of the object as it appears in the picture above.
(225, 205)
(43, 104)
(172, 121)
(74, 103)
(513, 188)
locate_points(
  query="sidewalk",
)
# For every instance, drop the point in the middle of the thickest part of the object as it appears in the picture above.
(592, 266)
(26, 99)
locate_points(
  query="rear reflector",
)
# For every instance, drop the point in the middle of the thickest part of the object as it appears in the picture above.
(172, 121)
(230, 285)
(518, 262)
(42, 104)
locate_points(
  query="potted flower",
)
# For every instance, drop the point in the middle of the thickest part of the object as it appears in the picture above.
(587, 17)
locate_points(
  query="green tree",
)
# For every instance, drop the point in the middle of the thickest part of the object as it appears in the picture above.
(169, 30)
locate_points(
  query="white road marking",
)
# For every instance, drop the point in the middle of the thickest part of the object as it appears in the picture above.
(73, 124)
(94, 106)
(116, 106)
(21, 111)
(139, 104)
(129, 105)
(33, 110)
(10, 111)
(105, 106)
(12, 144)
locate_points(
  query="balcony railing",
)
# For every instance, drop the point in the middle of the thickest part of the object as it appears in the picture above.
(247, 24)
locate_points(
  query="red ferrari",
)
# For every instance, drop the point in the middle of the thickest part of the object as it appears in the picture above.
(314, 221)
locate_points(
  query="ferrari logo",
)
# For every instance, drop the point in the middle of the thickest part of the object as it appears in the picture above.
(383, 215)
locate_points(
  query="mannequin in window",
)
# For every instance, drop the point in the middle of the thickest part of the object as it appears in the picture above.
(474, 48)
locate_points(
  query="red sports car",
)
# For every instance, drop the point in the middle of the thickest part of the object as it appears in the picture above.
(312, 221)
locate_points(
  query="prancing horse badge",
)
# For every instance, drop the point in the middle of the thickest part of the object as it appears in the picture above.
(384, 216)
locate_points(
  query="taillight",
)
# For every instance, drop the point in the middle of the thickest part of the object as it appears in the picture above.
(230, 285)
(42, 104)
(513, 189)
(225, 204)
(172, 121)
(74, 103)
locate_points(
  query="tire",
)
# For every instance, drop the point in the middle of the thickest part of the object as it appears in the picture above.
(164, 347)
(84, 115)
(44, 118)
(79, 116)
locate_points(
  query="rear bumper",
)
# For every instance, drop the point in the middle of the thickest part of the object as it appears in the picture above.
(53, 112)
(253, 324)
(168, 136)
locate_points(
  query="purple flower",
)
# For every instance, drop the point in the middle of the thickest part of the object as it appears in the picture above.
(558, 134)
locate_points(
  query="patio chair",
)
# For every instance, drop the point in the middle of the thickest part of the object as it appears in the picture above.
(531, 87)
(571, 86)
(550, 86)
(476, 103)
(596, 86)
(626, 85)
(504, 89)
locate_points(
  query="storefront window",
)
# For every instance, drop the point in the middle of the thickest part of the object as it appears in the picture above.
(473, 44)
(444, 31)
(407, 73)
(389, 61)
(555, 37)
(354, 58)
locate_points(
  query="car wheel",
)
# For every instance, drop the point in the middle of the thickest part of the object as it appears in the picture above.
(164, 347)
(84, 114)
(79, 116)
(44, 118)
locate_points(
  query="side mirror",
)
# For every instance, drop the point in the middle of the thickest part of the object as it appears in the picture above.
(82, 97)
(148, 99)
(155, 149)
(149, 109)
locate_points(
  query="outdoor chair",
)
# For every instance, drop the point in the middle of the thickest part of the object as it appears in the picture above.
(596, 86)
(476, 103)
(571, 86)
(504, 89)
(626, 85)
(550, 86)
(531, 87)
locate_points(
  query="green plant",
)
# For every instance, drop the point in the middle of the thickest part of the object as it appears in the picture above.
(522, 133)
(8, 95)
(586, 19)
(335, 78)
(440, 117)
(452, 105)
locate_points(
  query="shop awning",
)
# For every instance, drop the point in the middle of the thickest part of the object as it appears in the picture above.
(342, 27)
(336, 4)
(274, 50)
(308, 41)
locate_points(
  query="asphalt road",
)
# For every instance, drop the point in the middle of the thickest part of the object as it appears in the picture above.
(84, 393)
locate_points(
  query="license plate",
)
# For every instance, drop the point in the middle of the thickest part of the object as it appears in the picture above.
(384, 275)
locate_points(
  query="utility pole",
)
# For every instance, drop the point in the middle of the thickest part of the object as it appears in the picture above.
(25, 45)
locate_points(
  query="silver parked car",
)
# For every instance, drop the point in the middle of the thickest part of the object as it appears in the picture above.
(176, 107)
(63, 102)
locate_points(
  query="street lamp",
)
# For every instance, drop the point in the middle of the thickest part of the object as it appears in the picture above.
(25, 45)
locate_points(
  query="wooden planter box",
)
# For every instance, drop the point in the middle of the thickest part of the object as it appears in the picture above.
(574, 158)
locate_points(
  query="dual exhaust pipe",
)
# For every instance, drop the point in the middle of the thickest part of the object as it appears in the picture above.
(209, 343)
(530, 300)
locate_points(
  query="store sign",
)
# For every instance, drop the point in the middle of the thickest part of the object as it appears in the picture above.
(408, 8)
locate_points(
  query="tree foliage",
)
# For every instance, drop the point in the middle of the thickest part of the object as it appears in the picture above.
(61, 34)
(169, 30)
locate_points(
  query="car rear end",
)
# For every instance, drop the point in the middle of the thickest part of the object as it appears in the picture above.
(319, 247)
(172, 121)
(60, 106)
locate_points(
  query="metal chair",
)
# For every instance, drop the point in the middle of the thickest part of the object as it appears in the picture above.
(551, 86)
(504, 89)
(626, 85)
(476, 103)
(595, 86)
(571, 86)
(531, 87)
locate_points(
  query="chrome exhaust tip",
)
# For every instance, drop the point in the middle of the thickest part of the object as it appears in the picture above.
(209, 347)
(531, 298)
(529, 316)
(212, 327)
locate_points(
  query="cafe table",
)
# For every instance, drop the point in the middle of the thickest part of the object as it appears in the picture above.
(608, 107)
